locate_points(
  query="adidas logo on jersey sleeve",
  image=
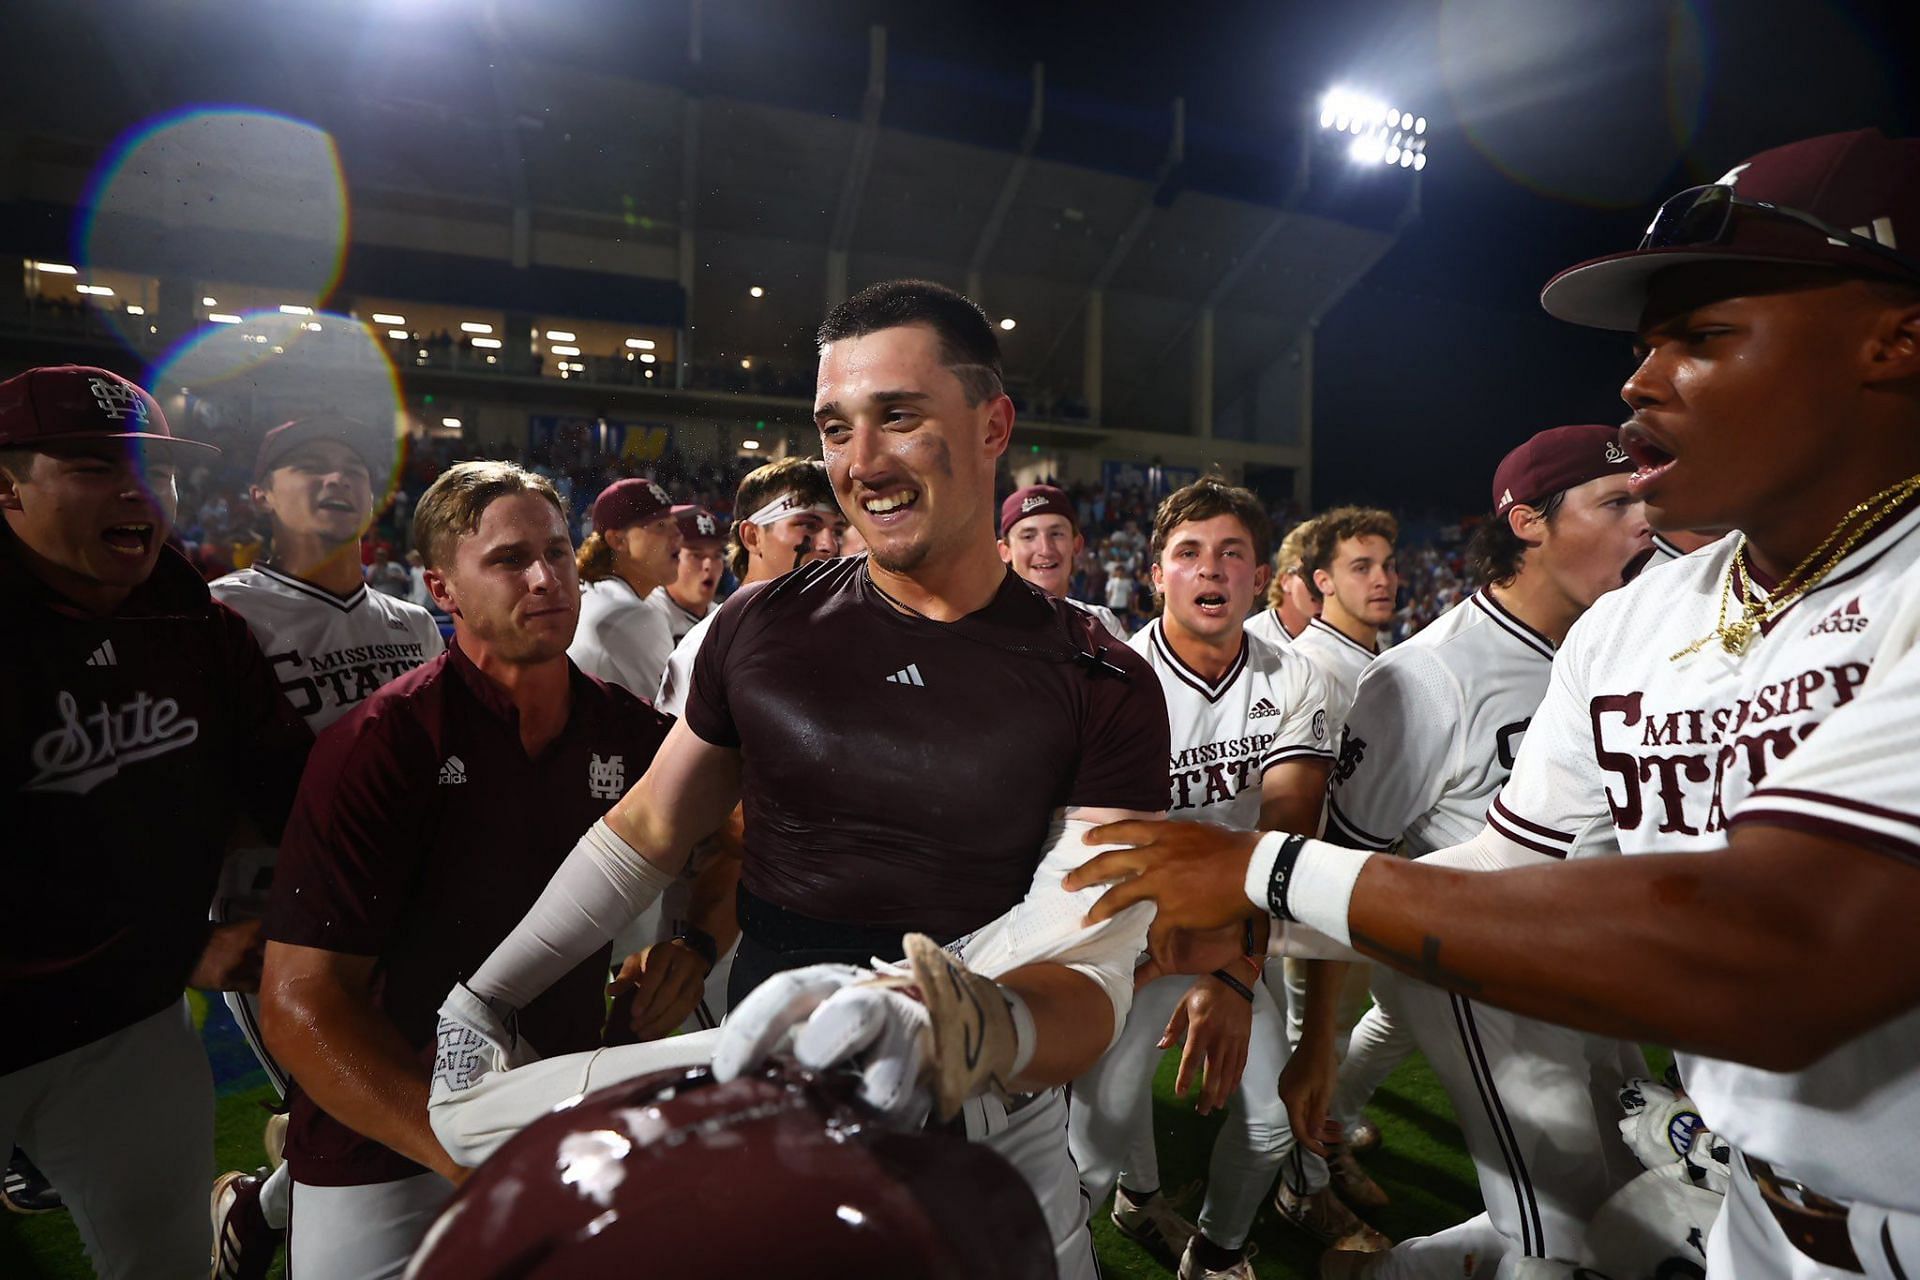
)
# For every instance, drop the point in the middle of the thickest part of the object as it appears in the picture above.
(909, 674)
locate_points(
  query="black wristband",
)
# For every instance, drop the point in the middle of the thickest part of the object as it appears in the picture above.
(1282, 876)
(701, 943)
(1246, 992)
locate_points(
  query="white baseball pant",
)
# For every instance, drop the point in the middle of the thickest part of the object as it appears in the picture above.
(1112, 1125)
(360, 1233)
(123, 1127)
(1748, 1244)
(1538, 1105)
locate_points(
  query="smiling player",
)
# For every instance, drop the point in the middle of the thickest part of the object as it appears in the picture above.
(1743, 723)
(1040, 538)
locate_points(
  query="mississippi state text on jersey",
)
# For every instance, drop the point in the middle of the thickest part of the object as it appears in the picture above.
(1269, 707)
(1635, 751)
(328, 652)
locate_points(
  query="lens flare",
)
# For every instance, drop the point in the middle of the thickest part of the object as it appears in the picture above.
(217, 195)
(230, 384)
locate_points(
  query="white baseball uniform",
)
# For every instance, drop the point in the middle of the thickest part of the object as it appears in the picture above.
(680, 619)
(1266, 625)
(1433, 733)
(1340, 662)
(1104, 614)
(1268, 708)
(329, 653)
(1813, 727)
(621, 638)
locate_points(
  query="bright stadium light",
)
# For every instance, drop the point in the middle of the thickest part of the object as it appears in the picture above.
(473, 326)
(401, 334)
(450, 422)
(1007, 324)
(94, 290)
(487, 342)
(756, 292)
(383, 317)
(1381, 133)
(561, 350)
(220, 318)
(559, 335)
(289, 309)
(135, 309)
(56, 269)
(640, 344)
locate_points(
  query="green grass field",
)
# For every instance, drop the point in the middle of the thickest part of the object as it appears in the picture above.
(1420, 1162)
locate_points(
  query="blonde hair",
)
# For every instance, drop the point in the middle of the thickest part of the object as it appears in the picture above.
(594, 559)
(452, 505)
(1291, 558)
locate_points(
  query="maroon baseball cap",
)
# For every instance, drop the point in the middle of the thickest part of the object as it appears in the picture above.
(358, 436)
(629, 502)
(697, 524)
(78, 402)
(1037, 500)
(1555, 459)
(1844, 201)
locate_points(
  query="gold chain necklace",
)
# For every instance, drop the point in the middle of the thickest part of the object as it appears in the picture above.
(1735, 636)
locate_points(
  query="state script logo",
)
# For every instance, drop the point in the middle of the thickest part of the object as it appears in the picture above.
(1031, 501)
(1615, 453)
(85, 751)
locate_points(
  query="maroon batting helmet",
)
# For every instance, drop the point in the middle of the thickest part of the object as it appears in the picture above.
(781, 1171)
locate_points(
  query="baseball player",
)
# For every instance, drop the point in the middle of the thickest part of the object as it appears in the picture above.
(1249, 748)
(698, 566)
(1291, 604)
(632, 552)
(678, 953)
(429, 815)
(1040, 539)
(957, 838)
(331, 643)
(139, 720)
(1432, 735)
(1741, 723)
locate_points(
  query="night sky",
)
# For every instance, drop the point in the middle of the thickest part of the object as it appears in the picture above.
(1557, 126)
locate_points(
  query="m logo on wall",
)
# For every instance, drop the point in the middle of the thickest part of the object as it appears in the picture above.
(597, 438)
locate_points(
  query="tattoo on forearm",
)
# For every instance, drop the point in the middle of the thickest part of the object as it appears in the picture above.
(1425, 966)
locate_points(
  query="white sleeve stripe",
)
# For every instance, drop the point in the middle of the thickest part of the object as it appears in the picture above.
(1521, 838)
(1348, 833)
(1294, 753)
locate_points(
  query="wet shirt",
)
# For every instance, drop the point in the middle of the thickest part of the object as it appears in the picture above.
(900, 772)
(129, 745)
(422, 834)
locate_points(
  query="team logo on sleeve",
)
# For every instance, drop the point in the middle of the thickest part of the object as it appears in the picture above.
(1320, 725)
(606, 779)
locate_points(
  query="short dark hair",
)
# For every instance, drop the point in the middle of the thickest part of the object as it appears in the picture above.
(1495, 551)
(967, 342)
(805, 478)
(1205, 498)
(1329, 529)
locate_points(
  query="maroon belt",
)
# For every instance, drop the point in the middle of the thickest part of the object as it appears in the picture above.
(1816, 1225)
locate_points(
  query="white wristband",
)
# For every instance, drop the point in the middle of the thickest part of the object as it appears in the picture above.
(1316, 885)
(1024, 1034)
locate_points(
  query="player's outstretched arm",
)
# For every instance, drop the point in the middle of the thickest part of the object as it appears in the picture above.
(1730, 953)
(618, 869)
(319, 1019)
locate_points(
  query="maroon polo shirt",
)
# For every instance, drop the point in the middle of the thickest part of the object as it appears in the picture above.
(422, 834)
(899, 772)
(128, 746)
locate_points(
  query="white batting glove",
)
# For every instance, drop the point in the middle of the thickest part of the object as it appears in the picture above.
(473, 1041)
(1660, 1126)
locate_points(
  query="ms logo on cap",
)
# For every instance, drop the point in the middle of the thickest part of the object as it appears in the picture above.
(659, 494)
(704, 523)
(118, 400)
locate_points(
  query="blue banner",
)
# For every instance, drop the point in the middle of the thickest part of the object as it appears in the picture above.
(597, 438)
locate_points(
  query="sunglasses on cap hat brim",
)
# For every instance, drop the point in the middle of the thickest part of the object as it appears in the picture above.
(1697, 225)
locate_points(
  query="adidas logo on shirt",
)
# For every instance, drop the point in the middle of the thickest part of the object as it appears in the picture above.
(104, 656)
(1844, 618)
(1264, 707)
(910, 674)
(454, 772)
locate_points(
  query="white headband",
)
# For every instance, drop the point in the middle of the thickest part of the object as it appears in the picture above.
(786, 506)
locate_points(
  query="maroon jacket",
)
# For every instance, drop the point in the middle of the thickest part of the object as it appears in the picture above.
(128, 746)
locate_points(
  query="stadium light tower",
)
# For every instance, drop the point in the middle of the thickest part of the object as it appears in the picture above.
(1381, 133)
